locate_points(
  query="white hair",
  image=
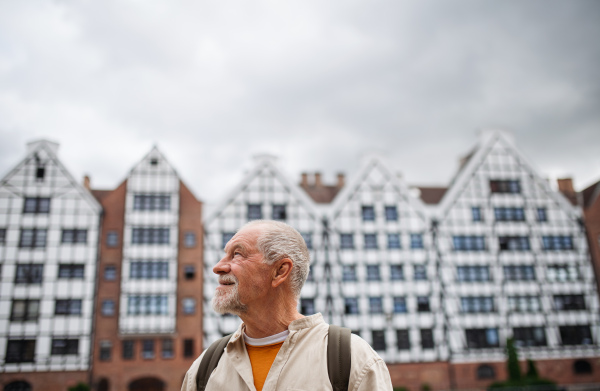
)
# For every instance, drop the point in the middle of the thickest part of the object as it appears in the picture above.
(277, 241)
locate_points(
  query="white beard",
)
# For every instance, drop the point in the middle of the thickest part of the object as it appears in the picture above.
(228, 300)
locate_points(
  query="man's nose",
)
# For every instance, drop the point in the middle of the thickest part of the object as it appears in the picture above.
(222, 267)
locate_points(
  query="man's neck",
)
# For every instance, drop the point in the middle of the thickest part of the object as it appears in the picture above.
(266, 321)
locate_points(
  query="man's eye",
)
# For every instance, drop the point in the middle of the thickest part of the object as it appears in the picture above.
(237, 253)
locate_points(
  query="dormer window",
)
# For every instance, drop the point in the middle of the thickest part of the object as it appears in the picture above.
(154, 161)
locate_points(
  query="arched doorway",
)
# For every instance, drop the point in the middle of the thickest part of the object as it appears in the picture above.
(582, 367)
(103, 384)
(18, 386)
(147, 384)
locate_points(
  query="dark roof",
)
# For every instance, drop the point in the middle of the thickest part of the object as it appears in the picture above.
(321, 194)
(590, 193)
(432, 195)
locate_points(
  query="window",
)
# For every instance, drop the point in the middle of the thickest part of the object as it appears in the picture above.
(557, 243)
(427, 339)
(346, 241)
(420, 273)
(40, 172)
(581, 367)
(71, 271)
(254, 212)
(151, 202)
(188, 348)
(112, 239)
(307, 306)
(147, 305)
(189, 305)
(24, 310)
(542, 216)
(376, 305)
(110, 273)
(32, 238)
(348, 273)
(167, 348)
(569, 302)
(416, 241)
(351, 305)
(189, 239)
(391, 213)
(20, 350)
(396, 272)
(149, 270)
(147, 348)
(529, 336)
(368, 213)
(74, 236)
(373, 273)
(150, 236)
(473, 273)
(505, 186)
(108, 307)
(469, 243)
(400, 305)
(29, 274)
(18, 385)
(378, 339)
(36, 205)
(576, 335)
(423, 304)
(403, 339)
(525, 303)
(562, 273)
(307, 236)
(474, 304)
(105, 350)
(67, 307)
(482, 338)
(370, 241)
(519, 273)
(63, 346)
(393, 241)
(2, 235)
(509, 214)
(279, 212)
(513, 243)
(226, 237)
(189, 271)
(485, 371)
(128, 346)
(154, 161)
(476, 213)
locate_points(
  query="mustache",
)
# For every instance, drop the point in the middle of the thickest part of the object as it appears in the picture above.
(227, 278)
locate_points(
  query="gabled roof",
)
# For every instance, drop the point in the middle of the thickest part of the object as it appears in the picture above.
(590, 194)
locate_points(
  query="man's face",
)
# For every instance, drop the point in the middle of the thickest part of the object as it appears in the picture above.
(243, 277)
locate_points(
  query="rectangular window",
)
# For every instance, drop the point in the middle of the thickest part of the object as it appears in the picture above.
(391, 213)
(423, 304)
(373, 273)
(26, 310)
(376, 305)
(128, 347)
(416, 241)
(32, 238)
(474, 273)
(70, 271)
(189, 271)
(557, 243)
(393, 241)
(569, 302)
(505, 186)
(542, 216)
(226, 237)
(149, 270)
(167, 348)
(368, 213)
(400, 305)
(378, 340)
(67, 307)
(110, 273)
(420, 273)
(40, 172)
(147, 348)
(427, 339)
(150, 236)
(189, 239)
(307, 306)
(403, 339)
(562, 273)
(307, 236)
(476, 213)
(519, 273)
(509, 214)
(152, 202)
(396, 272)
(482, 338)
(105, 350)
(2, 235)
(526, 303)
(468, 243)
(189, 306)
(513, 243)
(254, 212)
(348, 273)
(475, 304)
(346, 241)
(112, 239)
(279, 212)
(147, 305)
(74, 236)
(351, 305)
(108, 307)
(370, 241)
(188, 348)
(529, 336)
(20, 350)
(36, 205)
(63, 346)
(576, 335)
(29, 274)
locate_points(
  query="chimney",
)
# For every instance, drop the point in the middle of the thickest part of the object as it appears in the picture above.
(340, 180)
(565, 185)
(304, 182)
(87, 182)
(318, 182)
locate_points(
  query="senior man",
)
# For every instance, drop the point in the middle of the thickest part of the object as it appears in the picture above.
(276, 348)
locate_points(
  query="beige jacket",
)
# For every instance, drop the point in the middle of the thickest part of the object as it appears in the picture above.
(301, 363)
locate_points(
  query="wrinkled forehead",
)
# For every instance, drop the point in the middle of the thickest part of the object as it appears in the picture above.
(245, 238)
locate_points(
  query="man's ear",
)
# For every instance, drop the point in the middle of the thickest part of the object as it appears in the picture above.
(282, 272)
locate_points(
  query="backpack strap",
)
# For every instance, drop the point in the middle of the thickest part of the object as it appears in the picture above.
(210, 361)
(338, 357)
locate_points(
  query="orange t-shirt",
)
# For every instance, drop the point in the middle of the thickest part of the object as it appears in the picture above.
(261, 359)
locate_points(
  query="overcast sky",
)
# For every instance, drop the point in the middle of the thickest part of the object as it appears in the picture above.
(317, 83)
